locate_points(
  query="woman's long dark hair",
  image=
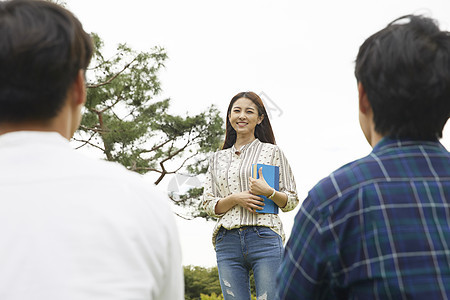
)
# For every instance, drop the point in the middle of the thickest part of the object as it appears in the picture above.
(263, 131)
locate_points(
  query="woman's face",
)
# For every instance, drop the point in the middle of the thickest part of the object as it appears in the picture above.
(244, 117)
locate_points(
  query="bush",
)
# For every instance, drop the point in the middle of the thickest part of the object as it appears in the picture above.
(200, 280)
(203, 284)
(213, 296)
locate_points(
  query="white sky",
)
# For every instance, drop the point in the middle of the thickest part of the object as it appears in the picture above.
(299, 53)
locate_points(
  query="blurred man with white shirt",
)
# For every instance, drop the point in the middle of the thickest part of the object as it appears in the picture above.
(70, 227)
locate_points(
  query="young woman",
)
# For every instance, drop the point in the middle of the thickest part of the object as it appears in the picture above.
(244, 239)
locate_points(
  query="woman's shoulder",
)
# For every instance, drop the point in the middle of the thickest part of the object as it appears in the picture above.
(219, 152)
(270, 146)
(274, 149)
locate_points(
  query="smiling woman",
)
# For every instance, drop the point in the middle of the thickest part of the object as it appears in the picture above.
(231, 195)
(246, 105)
(244, 118)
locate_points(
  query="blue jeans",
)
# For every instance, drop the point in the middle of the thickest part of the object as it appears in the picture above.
(248, 248)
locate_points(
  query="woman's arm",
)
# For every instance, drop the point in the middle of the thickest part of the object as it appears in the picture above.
(210, 191)
(287, 181)
(245, 199)
(261, 187)
(216, 206)
(280, 199)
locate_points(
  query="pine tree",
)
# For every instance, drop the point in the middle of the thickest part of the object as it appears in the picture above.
(125, 120)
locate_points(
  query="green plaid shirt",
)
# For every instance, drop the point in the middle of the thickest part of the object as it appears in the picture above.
(377, 228)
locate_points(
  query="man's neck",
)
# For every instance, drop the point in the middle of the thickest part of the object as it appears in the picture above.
(375, 138)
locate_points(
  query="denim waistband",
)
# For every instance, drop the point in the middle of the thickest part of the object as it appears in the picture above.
(240, 228)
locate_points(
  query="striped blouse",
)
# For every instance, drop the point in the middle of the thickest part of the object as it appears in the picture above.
(229, 173)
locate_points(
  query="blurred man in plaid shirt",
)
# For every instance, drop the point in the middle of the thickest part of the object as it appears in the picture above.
(379, 227)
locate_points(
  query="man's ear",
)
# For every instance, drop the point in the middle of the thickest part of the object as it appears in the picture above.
(79, 89)
(364, 104)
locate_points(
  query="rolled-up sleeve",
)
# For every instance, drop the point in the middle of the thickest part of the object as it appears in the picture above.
(287, 181)
(210, 193)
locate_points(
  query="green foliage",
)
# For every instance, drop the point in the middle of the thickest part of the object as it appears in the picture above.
(213, 296)
(200, 280)
(204, 283)
(126, 121)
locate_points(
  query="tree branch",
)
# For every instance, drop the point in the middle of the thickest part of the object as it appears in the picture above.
(88, 143)
(84, 141)
(104, 62)
(110, 106)
(182, 165)
(172, 155)
(113, 77)
(184, 217)
(155, 147)
(146, 169)
(96, 130)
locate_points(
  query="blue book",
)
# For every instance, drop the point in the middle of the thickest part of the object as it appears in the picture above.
(272, 176)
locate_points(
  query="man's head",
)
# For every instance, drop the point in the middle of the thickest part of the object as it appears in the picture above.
(43, 48)
(404, 70)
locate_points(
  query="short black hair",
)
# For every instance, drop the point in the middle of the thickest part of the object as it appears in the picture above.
(42, 48)
(405, 71)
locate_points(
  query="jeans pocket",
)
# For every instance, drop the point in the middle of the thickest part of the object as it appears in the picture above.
(220, 235)
(266, 232)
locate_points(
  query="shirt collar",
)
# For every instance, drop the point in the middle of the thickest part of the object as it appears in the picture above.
(245, 147)
(390, 143)
(32, 137)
